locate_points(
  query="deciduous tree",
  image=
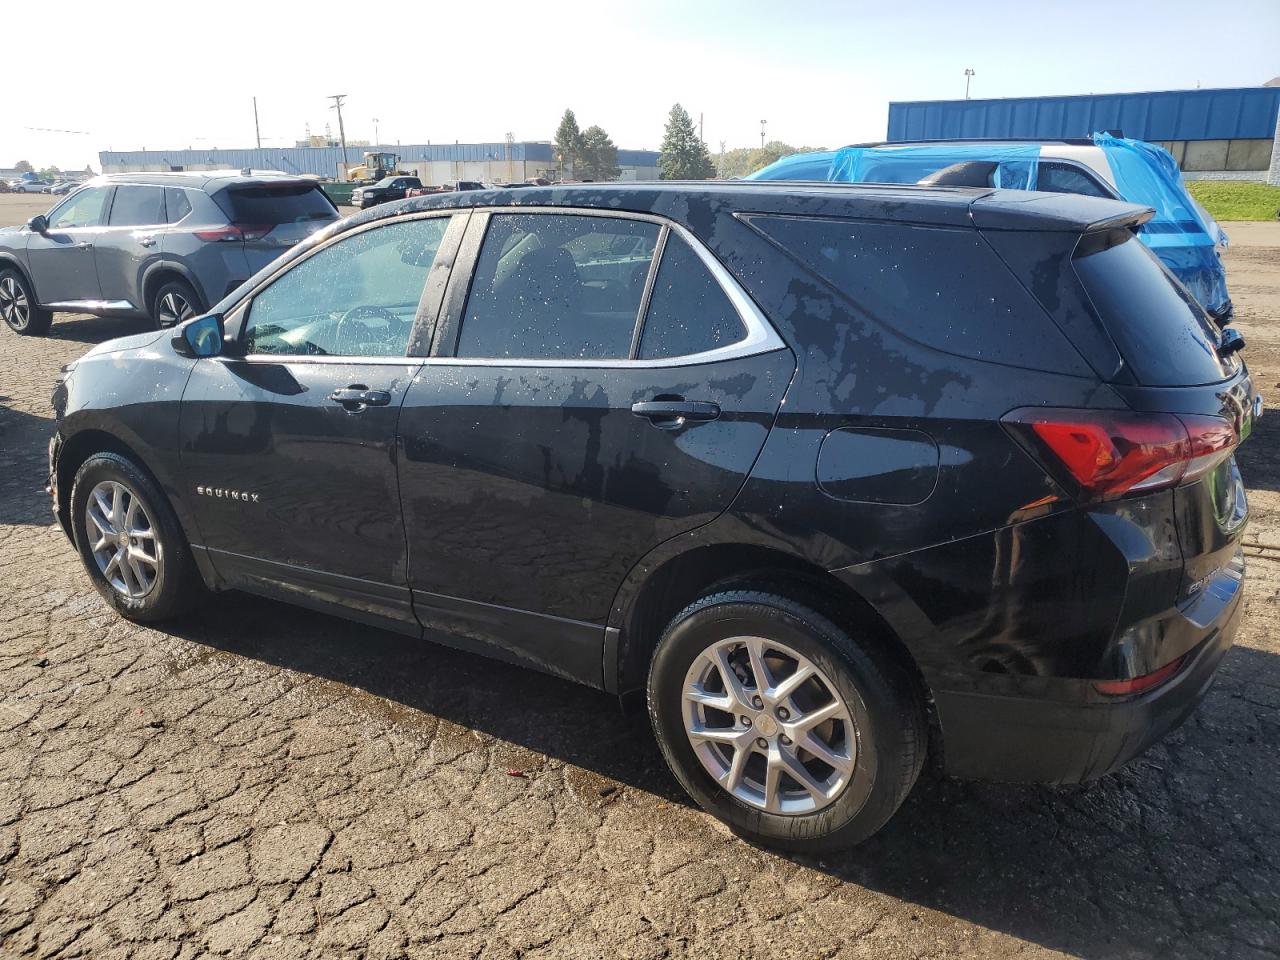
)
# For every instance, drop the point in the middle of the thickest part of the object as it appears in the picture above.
(598, 155)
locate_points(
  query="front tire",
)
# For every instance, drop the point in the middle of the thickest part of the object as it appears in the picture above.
(778, 722)
(18, 307)
(130, 541)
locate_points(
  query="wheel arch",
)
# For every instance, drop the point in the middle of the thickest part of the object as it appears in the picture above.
(647, 603)
(161, 272)
(9, 260)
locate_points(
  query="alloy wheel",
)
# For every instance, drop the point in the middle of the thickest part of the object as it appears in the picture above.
(14, 306)
(173, 308)
(769, 725)
(125, 545)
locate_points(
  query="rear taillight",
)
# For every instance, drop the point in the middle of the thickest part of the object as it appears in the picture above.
(1108, 453)
(234, 231)
(1125, 688)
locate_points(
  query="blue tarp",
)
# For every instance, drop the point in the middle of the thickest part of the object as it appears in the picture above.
(1182, 234)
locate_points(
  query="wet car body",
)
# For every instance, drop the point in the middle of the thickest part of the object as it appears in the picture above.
(525, 511)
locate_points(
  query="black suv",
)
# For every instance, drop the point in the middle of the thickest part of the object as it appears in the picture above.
(837, 474)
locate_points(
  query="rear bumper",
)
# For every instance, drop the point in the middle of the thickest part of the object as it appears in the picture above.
(1021, 739)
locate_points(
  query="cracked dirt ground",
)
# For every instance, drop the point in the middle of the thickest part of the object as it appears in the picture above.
(263, 781)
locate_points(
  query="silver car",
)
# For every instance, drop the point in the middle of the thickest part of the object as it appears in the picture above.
(163, 246)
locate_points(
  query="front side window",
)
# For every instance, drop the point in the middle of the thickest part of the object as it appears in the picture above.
(557, 287)
(357, 297)
(137, 207)
(82, 209)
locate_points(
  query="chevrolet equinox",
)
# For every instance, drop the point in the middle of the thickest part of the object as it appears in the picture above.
(835, 474)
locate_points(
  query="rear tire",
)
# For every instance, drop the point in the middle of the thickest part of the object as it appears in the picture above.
(874, 730)
(117, 511)
(18, 307)
(174, 302)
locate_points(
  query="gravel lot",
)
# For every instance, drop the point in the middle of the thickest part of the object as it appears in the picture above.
(263, 781)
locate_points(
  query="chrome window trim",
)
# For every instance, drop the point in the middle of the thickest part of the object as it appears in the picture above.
(761, 336)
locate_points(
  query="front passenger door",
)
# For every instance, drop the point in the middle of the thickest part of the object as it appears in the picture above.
(289, 441)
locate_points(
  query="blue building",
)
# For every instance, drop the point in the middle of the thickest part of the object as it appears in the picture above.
(1219, 134)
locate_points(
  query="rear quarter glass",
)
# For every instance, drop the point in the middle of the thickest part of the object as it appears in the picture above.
(943, 287)
(1164, 336)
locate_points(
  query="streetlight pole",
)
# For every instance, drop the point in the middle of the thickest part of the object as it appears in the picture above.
(337, 99)
(376, 141)
(968, 75)
(762, 123)
(257, 131)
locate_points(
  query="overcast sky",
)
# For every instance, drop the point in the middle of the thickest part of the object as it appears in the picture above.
(180, 74)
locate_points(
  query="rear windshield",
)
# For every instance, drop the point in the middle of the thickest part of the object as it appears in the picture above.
(295, 203)
(1161, 332)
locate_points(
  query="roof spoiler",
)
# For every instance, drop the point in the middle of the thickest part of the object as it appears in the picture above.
(1069, 212)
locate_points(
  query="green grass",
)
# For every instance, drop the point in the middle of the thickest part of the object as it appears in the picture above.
(1235, 200)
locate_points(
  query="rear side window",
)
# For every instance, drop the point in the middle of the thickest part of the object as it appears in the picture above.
(688, 311)
(1162, 333)
(943, 287)
(1065, 178)
(295, 203)
(552, 287)
(177, 204)
(137, 207)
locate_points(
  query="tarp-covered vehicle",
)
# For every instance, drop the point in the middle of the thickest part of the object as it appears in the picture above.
(1182, 233)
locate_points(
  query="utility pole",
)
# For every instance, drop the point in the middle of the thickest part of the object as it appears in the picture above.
(376, 141)
(700, 136)
(762, 123)
(337, 99)
(968, 75)
(257, 132)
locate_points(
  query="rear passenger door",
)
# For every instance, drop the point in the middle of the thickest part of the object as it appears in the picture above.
(130, 242)
(599, 384)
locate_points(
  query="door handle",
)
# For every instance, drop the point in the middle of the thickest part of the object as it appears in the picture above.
(146, 241)
(674, 414)
(84, 244)
(357, 397)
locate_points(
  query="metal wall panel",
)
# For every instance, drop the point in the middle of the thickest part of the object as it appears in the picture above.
(1235, 114)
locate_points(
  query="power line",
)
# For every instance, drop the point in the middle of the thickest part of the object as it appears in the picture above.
(81, 133)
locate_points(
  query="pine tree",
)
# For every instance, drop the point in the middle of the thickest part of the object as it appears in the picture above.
(568, 143)
(598, 155)
(684, 156)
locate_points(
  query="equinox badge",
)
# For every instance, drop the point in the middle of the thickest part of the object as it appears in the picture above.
(222, 492)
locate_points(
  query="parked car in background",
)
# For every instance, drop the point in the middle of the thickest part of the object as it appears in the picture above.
(1182, 233)
(157, 245)
(4, 187)
(424, 191)
(65, 187)
(31, 186)
(454, 186)
(766, 454)
(384, 191)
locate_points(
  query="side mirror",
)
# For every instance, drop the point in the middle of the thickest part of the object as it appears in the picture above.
(38, 224)
(1231, 341)
(200, 337)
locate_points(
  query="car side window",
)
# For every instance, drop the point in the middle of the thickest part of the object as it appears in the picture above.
(688, 312)
(1065, 178)
(137, 207)
(177, 204)
(357, 297)
(82, 209)
(557, 287)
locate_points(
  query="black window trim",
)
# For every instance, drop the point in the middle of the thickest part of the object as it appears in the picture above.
(761, 337)
(429, 304)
